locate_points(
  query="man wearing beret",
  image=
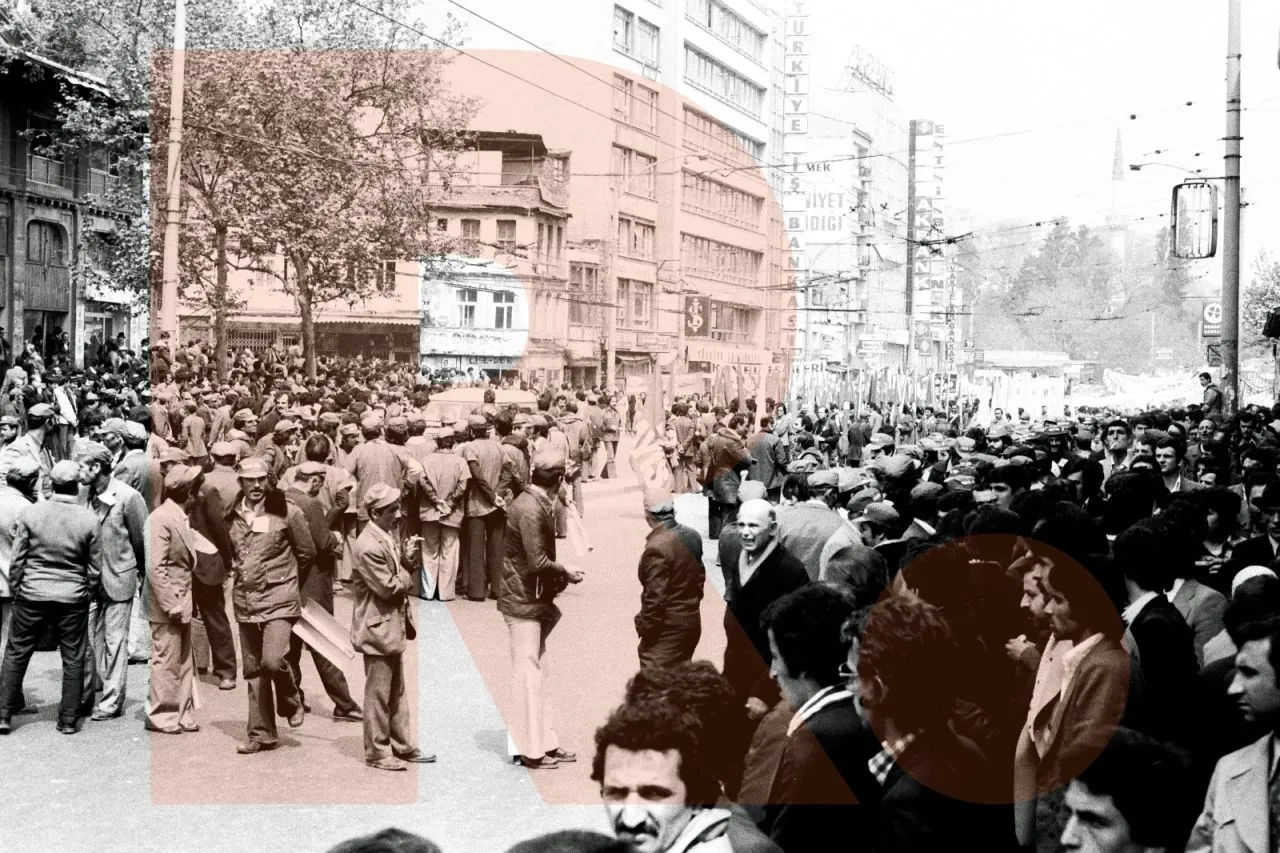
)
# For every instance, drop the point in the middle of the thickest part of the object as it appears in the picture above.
(170, 705)
(531, 579)
(272, 545)
(55, 569)
(122, 531)
(32, 445)
(382, 623)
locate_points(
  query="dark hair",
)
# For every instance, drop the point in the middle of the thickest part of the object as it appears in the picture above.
(547, 478)
(387, 841)
(806, 630)
(907, 645)
(1206, 376)
(1071, 530)
(661, 727)
(1224, 502)
(572, 841)
(1142, 552)
(1253, 613)
(1179, 449)
(990, 518)
(317, 448)
(1150, 783)
(796, 486)
(1093, 593)
(1016, 477)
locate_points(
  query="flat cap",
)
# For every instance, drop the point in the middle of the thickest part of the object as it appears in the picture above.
(879, 513)
(399, 422)
(824, 479)
(461, 431)
(520, 419)
(881, 439)
(23, 468)
(477, 422)
(380, 496)
(310, 468)
(852, 478)
(659, 501)
(965, 445)
(94, 451)
(245, 415)
(416, 417)
(330, 418)
(181, 475)
(284, 425)
(548, 460)
(371, 421)
(65, 472)
(10, 420)
(894, 466)
(252, 467)
(348, 429)
(926, 491)
(173, 454)
(223, 448)
(539, 421)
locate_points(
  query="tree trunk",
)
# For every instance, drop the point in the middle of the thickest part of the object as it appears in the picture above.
(220, 300)
(302, 295)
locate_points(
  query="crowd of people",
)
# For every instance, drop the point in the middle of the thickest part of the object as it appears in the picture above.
(1029, 632)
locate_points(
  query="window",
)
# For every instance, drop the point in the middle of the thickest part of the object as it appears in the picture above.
(104, 171)
(471, 229)
(720, 261)
(730, 322)
(634, 172)
(624, 30)
(635, 303)
(728, 26)
(584, 285)
(507, 234)
(44, 164)
(442, 225)
(724, 83)
(635, 104)
(467, 298)
(635, 239)
(387, 275)
(719, 201)
(622, 87)
(559, 243)
(702, 133)
(647, 43)
(45, 244)
(542, 242)
(503, 306)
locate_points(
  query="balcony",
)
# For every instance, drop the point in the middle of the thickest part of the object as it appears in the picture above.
(101, 183)
(47, 171)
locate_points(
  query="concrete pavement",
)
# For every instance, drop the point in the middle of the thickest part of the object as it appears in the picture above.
(115, 787)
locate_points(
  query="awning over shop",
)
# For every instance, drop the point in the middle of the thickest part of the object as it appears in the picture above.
(364, 319)
(112, 295)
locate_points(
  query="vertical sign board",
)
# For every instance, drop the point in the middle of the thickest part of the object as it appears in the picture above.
(795, 134)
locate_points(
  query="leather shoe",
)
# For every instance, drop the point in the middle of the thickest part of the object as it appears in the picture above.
(306, 707)
(542, 763)
(27, 709)
(297, 719)
(355, 715)
(562, 756)
(252, 747)
(417, 757)
(227, 684)
(99, 716)
(387, 763)
(5, 726)
(167, 730)
(194, 727)
(67, 728)
(137, 661)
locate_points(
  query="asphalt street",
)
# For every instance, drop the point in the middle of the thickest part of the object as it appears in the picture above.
(115, 787)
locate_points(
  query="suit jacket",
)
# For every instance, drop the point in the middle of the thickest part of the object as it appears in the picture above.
(1203, 609)
(823, 788)
(25, 445)
(1236, 818)
(804, 529)
(379, 589)
(768, 460)
(916, 812)
(726, 456)
(1168, 664)
(12, 502)
(172, 565)
(122, 530)
(746, 653)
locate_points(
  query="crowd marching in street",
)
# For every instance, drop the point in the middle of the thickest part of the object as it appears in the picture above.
(1015, 632)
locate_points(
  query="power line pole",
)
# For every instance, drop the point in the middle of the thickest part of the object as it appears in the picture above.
(1231, 220)
(173, 188)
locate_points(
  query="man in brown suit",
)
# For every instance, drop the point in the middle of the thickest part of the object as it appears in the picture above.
(170, 705)
(382, 623)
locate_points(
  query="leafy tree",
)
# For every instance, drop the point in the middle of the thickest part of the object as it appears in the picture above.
(1260, 296)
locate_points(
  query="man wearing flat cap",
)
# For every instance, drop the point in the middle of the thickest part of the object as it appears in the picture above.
(122, 532)
(483, 528)
(382, 623)
(531, 579)
(171, 705)
(440, 510)
(672, 578)
(32, 444)
(17, 492)
(54, 572)
(272, 545)
(805, 527)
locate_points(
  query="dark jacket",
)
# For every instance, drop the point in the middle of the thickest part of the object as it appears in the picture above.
(269, 561)
(671, 577)
(725, 456)
(746, 652)
(823, 788)
(1167, 656)
(1251, 552)
(531, 577)
(768, 459)
(918, 810)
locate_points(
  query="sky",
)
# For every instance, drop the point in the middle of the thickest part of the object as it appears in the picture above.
(1061, 79)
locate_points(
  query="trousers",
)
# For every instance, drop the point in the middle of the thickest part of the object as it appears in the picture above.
(439, 573)
(719, 514)
(484, 543)
(333, 679)
(29, 622)
(6, 617)
(531, 727)
(387, 724)
(107, 668)
(212, 607)
(139, 624)
(272, 690)
(670, 644)
(171, 701)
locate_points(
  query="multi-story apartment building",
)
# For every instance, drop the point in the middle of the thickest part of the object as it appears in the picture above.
(670, 109)
(48, 203)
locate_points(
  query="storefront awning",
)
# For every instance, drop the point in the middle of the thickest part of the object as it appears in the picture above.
(355, 320)
(113, 295)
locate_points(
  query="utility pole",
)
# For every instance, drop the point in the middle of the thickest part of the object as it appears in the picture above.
(1231, 220)
(173, 188)
(611, 293)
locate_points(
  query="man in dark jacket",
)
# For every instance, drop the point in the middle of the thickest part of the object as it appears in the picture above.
(768, 459)
(726, 458)
(531, 579)
(765, 572)
(669, 623)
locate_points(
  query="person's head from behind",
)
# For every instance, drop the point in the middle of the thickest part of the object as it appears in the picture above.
(387, 841)
(653, 773)
(573, 841)
(1127, 799)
